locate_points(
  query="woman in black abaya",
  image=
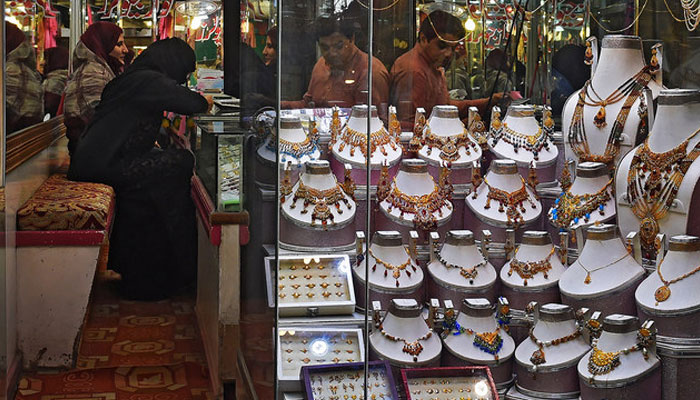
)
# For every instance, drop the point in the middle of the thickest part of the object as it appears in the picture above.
(154, 239)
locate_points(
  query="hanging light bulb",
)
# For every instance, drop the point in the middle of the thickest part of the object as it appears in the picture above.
(469, 25)
(196, 22)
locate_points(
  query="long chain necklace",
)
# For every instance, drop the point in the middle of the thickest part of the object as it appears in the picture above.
(423, 207)
(578, 140)
(449, 145)
(413, 348)
(528, 269)
(664, 292)
(467, 272)
(395, 269)
(358, 140)
(603, 362)
(691, 14)
(652, 185)
(513, 202)
(538, 356)
(587, 279)
(570, 207)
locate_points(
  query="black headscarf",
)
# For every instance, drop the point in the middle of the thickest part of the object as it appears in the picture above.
(173, 57)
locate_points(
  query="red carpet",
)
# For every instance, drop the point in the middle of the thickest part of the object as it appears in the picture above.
(130, 350)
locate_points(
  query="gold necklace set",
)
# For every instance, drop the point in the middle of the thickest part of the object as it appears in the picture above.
(422, 207)
(528, 269)
(413, 348)
(449, 145)
(322, 200)
(395, 269)
(532, 143)
(512, 203)
(652, 185)
(603, 362)
(358, 140)
(570, 207)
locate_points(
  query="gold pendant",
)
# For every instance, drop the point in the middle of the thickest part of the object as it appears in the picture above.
(588, 278)
(599, 119)
(662, 294)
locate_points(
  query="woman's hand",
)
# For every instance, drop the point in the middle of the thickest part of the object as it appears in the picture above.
(210, 102)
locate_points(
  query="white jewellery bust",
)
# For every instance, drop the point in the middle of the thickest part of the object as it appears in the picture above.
(295, 145)
(503, 176)
(388, 247)
(447, 140)
(621, 57)
(318, 177)
(522, 273)
(604, 266)
(588, 201)
(349, 145)
(677, 118)
(520, 137)
(468, 269)
(619, 332)
(402, 332)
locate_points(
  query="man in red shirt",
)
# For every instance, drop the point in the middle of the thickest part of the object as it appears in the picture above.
(418, 77)
(340, 75)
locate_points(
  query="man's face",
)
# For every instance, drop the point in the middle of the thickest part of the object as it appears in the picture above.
(438, 51)
(336, 49)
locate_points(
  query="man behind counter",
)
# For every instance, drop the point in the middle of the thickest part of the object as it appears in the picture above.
(340, 75)
(417, 77)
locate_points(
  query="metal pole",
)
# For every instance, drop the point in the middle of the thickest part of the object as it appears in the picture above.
(3, 131)
(76, 29)
(154, 19)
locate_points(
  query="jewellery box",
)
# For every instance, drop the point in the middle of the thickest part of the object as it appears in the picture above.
(330, 382)
(446, 383)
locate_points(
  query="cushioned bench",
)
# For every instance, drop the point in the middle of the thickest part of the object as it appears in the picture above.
(62, 231)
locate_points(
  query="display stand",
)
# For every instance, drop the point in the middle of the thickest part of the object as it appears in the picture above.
(546, 367)
(393, 269)
(521, 138)
(621, 57)
(404, 338)
(446, 140)
(413, 200)
(533, 273)
(605, 275)
(460, 269)
(678, 117)
(349, 144)
(316, 203)
(480, 337)
(623, 364)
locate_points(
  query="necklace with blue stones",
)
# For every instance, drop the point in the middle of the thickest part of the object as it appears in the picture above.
(571, 208)
(467, 272)
(488, 342)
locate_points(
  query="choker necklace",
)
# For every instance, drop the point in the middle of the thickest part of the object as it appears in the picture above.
(664, 292)
(396, 269)
(322, 200)
(297, 149)
(358, 140)
(570, 208)
(467, 273)
(513, 202)
(532, 143)
(578, 140)
(538, 357)
(653, 181)
(603, 362)
(527, 270)
(413, 348)
(587, 280)
(449, 145)
(488, 342)
(423, 207)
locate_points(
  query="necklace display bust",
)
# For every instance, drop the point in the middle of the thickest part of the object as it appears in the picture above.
(604, 276)
(674, 134)
(670, 295)
(621, 57)
(447, 140)
(296, 146)
(404, 338)
(617, 367)
(392, 271)
(458, 269)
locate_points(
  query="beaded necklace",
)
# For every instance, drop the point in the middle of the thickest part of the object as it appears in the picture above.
(513, 202)
(488, 342)
(449, 145)
(578, 140)
(532, 143)
(297, 149)
(652, 185)
(527, 270)
(603, 362)
(570, 207)
(538, 356)
(413, 348)
(396, 269)
(358, 140)
(467, 272)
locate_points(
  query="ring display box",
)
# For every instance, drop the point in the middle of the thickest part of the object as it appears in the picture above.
(446, 383)
(444, 139)
(413, 200)
(622, 364)
(502, 200)
(392, 268)
(459, 269)
(298, 347)
(348, 143)
(545, 363)
(404, 338)
(316, 203)
(519, 137)
(328, 382)
(604, 276)
(478, 335)
(310, 285)
(533, 273)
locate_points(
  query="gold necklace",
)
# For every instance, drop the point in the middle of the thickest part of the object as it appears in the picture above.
(572, 207)
(449, 145)
(356, 139)
(513, 201)
(587, 280)
(538, 356)
(413, 348)
(527, 270)
(396, 269)
(603, 362)
(423, 207)
(664, 292)
(653, 182)
(322, 200)
(466, 272)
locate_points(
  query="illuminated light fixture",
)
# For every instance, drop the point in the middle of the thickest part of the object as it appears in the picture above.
(319, 347)
(196, 22)
(198, 8)
(469, 24)
(558, 29)
(349, 81)
(481, 388)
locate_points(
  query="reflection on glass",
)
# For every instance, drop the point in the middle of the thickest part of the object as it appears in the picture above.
(25, 97)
